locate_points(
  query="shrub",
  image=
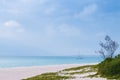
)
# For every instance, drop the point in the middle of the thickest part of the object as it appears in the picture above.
(110, 67)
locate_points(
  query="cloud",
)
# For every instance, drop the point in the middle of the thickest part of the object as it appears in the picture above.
(54, 38)
(69, 30)
(11, 7)
(62, 30)
(10, 29)
(87, 11)
(25, 8)
(12, 24)
(33, 1)
(14, 11)
(19, 7)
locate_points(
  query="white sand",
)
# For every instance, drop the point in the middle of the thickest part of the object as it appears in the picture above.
(25, 72)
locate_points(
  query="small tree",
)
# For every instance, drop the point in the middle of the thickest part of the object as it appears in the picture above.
(108, 48)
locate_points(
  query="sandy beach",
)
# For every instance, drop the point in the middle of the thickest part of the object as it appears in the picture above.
(25, 72)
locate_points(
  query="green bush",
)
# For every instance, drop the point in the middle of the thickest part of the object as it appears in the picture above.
(103, 67)
(110, 67)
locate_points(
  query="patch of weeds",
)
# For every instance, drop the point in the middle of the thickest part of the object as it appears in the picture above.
(81, 67)
(84, 69)
(94, 75)
(49, 76)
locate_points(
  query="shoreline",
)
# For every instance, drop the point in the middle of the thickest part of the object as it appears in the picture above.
(19, 73)
(46, 65)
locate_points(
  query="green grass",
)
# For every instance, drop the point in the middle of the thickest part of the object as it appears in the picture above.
(81, 72)
(81, 67)
(94, 75)
(110, 68)
(49, 76)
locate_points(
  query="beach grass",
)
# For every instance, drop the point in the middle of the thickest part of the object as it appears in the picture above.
(49, 76)
(94, 67)
(83, 70)
(62, 75)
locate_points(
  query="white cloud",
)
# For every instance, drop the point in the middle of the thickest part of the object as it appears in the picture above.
(14, 11)
(19, 7)
(10, 29)
(87, 11)
(11, 23)
(11, 7)
(62, 30)
(69, 30)
(26, 1)
(33, 1)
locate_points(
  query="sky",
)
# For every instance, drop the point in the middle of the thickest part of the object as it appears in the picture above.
(57, 27)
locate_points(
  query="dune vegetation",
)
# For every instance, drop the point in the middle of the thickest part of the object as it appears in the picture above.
(110, 68)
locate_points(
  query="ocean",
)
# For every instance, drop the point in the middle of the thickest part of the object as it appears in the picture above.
(25, 61)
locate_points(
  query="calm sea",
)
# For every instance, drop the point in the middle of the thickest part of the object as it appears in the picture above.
(8, 62)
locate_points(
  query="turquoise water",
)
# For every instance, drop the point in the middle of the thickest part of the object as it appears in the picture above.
(8, 62)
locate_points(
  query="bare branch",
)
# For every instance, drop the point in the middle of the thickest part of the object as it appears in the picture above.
(109, 46)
